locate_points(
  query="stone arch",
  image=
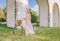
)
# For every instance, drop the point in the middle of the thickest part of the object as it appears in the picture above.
(55, 15)
(43, 12)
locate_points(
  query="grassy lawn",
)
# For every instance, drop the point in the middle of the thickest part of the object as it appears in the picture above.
(42, 34)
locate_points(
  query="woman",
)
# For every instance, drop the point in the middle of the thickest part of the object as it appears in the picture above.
(28, 26)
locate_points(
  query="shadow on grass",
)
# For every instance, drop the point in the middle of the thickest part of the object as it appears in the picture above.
(5, 25)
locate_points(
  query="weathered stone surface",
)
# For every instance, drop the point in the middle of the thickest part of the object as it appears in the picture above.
(20, 11)
(11, 13)
(47, 14)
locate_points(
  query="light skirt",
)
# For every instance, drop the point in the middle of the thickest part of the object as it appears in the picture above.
(28, 27)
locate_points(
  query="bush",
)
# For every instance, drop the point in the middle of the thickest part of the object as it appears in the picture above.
(34, 17)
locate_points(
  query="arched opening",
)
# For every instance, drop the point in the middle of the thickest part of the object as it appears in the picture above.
(43, 12)
(34, 11)
(55, 15)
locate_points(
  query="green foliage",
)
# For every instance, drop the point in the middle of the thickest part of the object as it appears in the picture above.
(5, 12)
(5, 15)
(2, 15)
(34, 16)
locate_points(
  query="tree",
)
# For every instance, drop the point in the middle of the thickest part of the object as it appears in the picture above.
(5, 15)
(5, 11)
(1, 14)
(34, 17)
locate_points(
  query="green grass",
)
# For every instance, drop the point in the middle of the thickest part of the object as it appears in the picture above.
(42, 34)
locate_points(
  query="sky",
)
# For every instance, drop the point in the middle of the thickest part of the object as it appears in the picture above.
(32, 3)
(2, 3)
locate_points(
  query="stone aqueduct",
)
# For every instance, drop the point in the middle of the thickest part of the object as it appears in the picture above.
(49, 12)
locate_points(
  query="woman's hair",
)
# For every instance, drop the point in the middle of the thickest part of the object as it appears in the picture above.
(18, 22)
